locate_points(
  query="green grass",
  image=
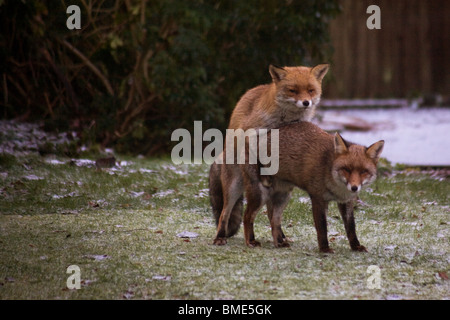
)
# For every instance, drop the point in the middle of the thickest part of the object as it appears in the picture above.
(120, 227)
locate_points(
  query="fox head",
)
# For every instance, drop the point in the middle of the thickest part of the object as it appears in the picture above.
(298, 87)
(355, 165)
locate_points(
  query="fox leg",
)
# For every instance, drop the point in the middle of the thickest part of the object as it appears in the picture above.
(270, 216)
(278, 203)
(257, 195)
(346, 210)
(254, 204)
(320, 208)
(232, 192)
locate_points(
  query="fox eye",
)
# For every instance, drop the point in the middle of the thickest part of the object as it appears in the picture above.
(292, 91)
(311, 91)
(346, 170)
(364, 171)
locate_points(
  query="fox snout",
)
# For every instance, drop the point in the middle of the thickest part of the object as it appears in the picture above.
(353, 187)
(303, 103)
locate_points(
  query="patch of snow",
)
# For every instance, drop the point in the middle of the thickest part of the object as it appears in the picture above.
(162, 278)
(412, 137)
(187, 234)
(203, 193)
(54, 161)
(33, 177)
(304, 200)
(83, 162)
(71, 194)
(142, 170)
(135, 194)
(97, 257)
(175, 170)
(163, 194)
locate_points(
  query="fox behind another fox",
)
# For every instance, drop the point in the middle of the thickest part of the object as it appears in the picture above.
(327, 167)
(292, 96)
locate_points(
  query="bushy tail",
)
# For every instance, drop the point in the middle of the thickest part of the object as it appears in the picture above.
(216, 198)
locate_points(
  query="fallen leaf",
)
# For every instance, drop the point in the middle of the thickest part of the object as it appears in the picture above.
(93, 204)
(443, 275)
(105, 162)
(87, 282)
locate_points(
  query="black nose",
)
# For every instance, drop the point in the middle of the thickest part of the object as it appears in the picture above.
(306, 103)
(354, 188)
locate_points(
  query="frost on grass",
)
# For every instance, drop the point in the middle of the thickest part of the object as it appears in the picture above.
(132, 214)
(97, 257)
(187, 234)
(163, 194)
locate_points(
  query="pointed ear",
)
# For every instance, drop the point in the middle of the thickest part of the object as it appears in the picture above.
(277, 73)
(320, 71)
(374, 150)
(339, 144)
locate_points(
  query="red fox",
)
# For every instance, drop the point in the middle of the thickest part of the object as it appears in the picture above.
(326, 166)
(292, 96)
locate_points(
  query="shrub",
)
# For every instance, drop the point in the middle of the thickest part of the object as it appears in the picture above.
(137, 70)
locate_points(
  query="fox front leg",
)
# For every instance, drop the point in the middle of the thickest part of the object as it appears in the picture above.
(320, 208)
(346, 210)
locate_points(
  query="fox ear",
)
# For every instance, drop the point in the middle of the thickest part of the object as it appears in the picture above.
(374, 150)
(277, 73)
(320, 71)
(339, 144)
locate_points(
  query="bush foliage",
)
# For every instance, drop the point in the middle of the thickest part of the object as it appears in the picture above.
(137, 70)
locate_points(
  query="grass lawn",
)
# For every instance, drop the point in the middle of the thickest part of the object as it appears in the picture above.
(123, 228)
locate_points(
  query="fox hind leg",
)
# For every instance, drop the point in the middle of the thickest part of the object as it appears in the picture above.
(276, 206)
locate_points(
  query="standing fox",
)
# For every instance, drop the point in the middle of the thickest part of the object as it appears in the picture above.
(326, 166)
(292, 96)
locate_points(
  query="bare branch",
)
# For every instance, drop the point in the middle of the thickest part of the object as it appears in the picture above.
(90, 65)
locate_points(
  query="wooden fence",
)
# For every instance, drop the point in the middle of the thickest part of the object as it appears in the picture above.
(408, 57)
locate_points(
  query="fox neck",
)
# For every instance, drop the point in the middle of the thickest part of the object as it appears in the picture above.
(338, 191)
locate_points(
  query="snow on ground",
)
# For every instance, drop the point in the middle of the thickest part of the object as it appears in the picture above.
(412, 136)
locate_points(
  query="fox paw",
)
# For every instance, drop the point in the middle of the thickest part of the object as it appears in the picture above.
(360, 249)
(283, 244)
(253, 244)
(326, 250)
(220, 241)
